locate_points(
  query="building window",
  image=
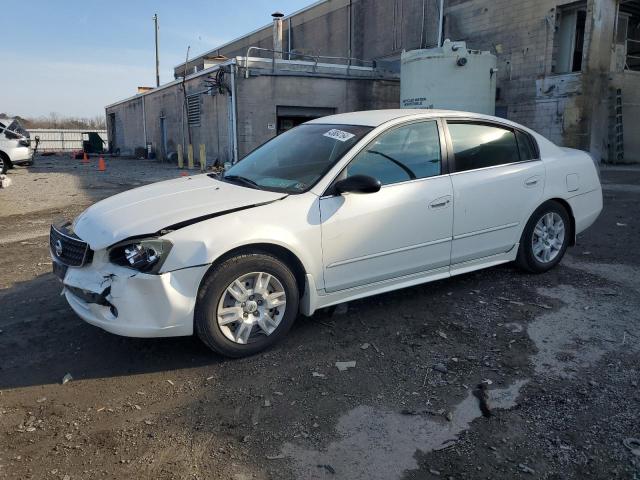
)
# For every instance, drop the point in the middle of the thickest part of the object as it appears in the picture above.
(193, 110)
(570, 37)
(627, 40)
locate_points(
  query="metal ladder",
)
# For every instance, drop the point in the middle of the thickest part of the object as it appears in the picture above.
(618, 133)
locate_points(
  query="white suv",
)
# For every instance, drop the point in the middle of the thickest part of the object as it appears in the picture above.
(14, 144)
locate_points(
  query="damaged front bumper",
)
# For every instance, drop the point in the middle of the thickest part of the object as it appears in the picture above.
(125, 302)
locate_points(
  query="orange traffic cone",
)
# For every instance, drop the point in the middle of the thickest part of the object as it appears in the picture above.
(101, 165)
(85, 158)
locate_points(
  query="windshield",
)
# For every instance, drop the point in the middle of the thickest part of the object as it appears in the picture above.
(294, 161)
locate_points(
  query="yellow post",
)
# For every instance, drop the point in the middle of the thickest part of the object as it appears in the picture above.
(180, 157)
(190, 157)
(203, 158)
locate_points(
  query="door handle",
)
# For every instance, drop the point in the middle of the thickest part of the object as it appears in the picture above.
(531, 181)
(441, 202)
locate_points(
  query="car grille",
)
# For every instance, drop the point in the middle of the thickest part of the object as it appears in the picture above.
(68, 248)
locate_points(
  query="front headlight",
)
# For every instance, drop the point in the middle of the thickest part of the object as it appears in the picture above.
(146, 255)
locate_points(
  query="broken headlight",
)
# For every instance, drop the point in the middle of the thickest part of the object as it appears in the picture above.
(145, 255)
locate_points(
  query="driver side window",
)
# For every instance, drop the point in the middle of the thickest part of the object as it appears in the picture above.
(404, 153)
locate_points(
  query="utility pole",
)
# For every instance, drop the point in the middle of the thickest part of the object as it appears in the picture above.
(155, 22)
(440, 23)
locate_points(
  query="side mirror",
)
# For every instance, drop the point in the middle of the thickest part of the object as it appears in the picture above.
(357, 184)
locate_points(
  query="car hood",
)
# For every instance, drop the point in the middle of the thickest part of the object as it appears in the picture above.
(149, 209)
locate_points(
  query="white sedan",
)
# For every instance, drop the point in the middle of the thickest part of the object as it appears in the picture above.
(339, 208)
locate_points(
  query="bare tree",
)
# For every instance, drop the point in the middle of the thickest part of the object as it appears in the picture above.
(55, 120)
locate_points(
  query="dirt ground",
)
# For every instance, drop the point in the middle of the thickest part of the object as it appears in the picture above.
(558, 355)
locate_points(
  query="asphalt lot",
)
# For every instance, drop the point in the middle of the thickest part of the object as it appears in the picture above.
(558, 355)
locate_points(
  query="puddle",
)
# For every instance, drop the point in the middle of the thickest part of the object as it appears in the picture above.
(377, 444)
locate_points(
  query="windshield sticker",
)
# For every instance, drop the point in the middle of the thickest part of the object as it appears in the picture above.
(339, 135)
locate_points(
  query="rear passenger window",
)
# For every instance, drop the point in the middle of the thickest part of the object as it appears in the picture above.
(525, 146)
(405, 153)
(479, 146)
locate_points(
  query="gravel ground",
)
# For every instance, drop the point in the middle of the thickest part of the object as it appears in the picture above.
(557, 356)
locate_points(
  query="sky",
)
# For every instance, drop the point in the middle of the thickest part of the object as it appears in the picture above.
(75, 57)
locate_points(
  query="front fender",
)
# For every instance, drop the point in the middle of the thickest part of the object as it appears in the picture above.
(293, 223)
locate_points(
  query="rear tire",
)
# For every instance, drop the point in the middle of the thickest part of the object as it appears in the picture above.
(224, 312)
(545, 238)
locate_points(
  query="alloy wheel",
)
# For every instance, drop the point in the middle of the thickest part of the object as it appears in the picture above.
(548, 237)
(253, 305)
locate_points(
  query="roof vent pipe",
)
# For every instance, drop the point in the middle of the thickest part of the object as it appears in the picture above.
(277, 35)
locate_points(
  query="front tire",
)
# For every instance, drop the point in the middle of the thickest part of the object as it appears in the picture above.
(545, 238)
(4, 163)
(246, 304)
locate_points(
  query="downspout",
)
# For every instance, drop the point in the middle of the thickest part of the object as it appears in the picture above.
(289, 39)
(350, 20)
(183, 139)
(184, 99)
(109, 130)
(424, 16)
(144, 123)
(440, 22)
(234, 106)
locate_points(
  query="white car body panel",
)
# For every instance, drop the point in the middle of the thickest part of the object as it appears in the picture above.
(17, 154)
(417, 236)
(491, 206)
(349, 246)
(292, 223)
(148, 305)
(149, 209)
(572, 178)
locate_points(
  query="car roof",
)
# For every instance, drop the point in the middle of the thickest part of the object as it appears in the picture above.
(375, 118)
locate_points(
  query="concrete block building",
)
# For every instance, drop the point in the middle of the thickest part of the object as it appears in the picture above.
(568, 69)
(234, 106)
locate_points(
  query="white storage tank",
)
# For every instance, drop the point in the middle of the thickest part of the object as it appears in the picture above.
(451, 77)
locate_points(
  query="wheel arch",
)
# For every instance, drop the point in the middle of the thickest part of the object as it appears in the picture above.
(567, 207)
(278, 251)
